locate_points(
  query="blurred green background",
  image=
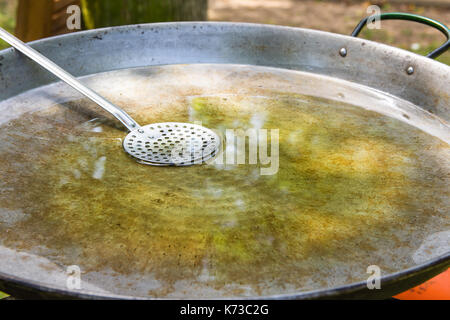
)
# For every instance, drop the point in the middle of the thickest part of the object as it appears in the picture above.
(103, 13)
(7, 16)
(334, 16)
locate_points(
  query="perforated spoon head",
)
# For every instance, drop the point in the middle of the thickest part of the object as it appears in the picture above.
(172, 144)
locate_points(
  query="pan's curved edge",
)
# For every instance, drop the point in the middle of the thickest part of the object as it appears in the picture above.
(391, 285)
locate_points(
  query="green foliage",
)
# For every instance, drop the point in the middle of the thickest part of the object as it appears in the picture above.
(7, 17)
(445, 58)
(384, 37)
(3, 295)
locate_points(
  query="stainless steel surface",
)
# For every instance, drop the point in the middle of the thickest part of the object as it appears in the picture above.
(172, 143)
(370, 73)
(51, 67)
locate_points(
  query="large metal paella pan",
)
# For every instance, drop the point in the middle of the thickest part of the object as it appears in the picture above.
(361, 182)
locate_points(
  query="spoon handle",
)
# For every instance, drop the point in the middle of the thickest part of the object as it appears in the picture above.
(50, 66)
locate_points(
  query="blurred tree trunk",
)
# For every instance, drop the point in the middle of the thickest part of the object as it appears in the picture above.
(34, 19)
(38, 19)
(103, 13)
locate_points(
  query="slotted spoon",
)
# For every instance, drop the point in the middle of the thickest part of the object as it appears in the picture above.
(159, 144)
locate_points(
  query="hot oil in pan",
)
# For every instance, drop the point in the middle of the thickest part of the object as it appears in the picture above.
(354, 188)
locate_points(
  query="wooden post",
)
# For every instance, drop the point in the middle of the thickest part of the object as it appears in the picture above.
(38, 19)
(34, 19)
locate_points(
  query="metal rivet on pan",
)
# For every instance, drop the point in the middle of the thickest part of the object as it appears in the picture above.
(343, 52)
(410, 70)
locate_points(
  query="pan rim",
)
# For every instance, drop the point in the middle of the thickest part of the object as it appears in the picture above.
(175, 25)
(327, 293)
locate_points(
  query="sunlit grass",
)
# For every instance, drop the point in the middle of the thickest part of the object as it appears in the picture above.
(445, 58)
(384, 36)
(3, 295)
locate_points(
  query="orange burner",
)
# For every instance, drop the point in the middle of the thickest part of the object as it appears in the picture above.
(437, 288)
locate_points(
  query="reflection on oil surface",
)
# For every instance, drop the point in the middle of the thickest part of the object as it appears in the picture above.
(354, 188)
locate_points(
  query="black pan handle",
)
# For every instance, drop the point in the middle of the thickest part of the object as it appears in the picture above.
(411, 17)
